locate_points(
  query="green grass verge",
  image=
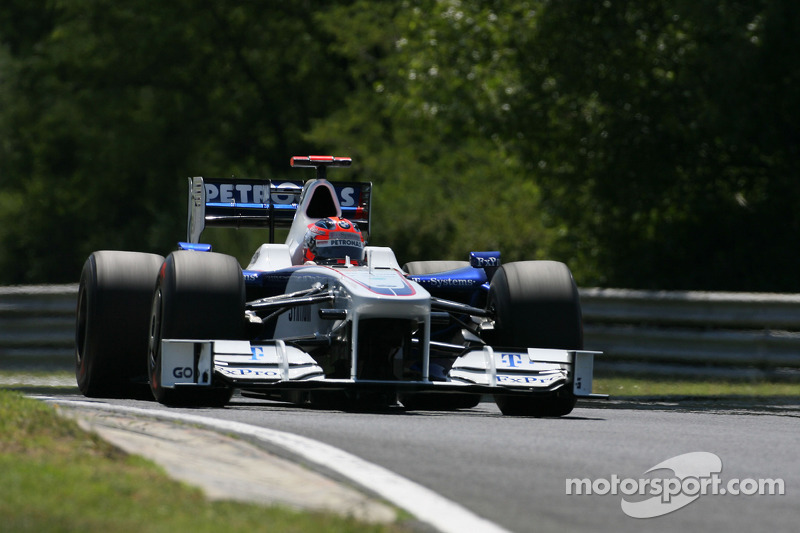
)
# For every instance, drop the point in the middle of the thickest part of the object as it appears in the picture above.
(659, 387)
(652, 386)
(56, 477)
(38, 381)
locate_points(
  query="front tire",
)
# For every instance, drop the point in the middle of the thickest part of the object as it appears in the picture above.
(112, 319)
(536, 304)
(199, 295)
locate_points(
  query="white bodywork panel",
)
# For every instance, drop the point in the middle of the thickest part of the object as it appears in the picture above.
(270, 257)
(363, 291)
(381, 257)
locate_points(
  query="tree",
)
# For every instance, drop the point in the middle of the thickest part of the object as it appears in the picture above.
(109, 106)
(656, 139)
(646, 143)
(421, 122)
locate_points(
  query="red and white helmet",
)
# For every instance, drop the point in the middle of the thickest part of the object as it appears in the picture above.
(332, 240)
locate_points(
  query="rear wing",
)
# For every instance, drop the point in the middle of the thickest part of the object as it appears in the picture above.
(247, 203)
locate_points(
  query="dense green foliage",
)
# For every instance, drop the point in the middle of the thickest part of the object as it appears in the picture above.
(645, 143)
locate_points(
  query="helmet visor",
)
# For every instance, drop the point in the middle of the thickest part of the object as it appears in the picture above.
(340, 245)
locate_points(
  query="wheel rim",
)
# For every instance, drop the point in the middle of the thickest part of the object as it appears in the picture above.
(154, 341)
(81, 330)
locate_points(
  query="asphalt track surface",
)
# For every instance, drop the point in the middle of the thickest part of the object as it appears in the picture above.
(513, 472)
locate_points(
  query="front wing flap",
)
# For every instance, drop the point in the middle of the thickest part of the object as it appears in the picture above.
(193, 362)
(530, 369)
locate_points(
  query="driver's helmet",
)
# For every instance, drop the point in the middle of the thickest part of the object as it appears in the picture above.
(331, 240)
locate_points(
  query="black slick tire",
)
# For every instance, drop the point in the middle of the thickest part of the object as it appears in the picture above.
(198, 295)
(112, 321)
(536, 304)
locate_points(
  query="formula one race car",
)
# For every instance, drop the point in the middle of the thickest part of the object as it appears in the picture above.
(323, 318)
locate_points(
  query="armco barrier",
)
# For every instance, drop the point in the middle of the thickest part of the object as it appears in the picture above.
(694, 333)
(37, 327)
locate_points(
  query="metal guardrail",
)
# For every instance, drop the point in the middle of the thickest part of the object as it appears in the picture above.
(37, 327)
(748, 335)
(666, 333)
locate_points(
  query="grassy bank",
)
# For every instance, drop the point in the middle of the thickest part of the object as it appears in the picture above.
(56, 477)
(662, 387)
(652, 386)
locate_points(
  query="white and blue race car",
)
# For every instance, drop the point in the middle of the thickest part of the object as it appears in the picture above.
(429, 335)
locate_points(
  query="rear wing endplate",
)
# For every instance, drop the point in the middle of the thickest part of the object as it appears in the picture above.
(248, 203)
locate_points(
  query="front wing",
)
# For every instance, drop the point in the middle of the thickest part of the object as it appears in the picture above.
(279, 366)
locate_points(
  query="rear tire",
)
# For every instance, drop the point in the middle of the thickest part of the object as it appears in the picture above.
(536, 304)
(112, 320)
(199, 295)
(425, 268)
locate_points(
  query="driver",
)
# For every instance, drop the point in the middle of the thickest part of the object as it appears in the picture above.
(333, 241)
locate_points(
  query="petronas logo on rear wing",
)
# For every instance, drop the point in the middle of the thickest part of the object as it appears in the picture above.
(249, 203)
